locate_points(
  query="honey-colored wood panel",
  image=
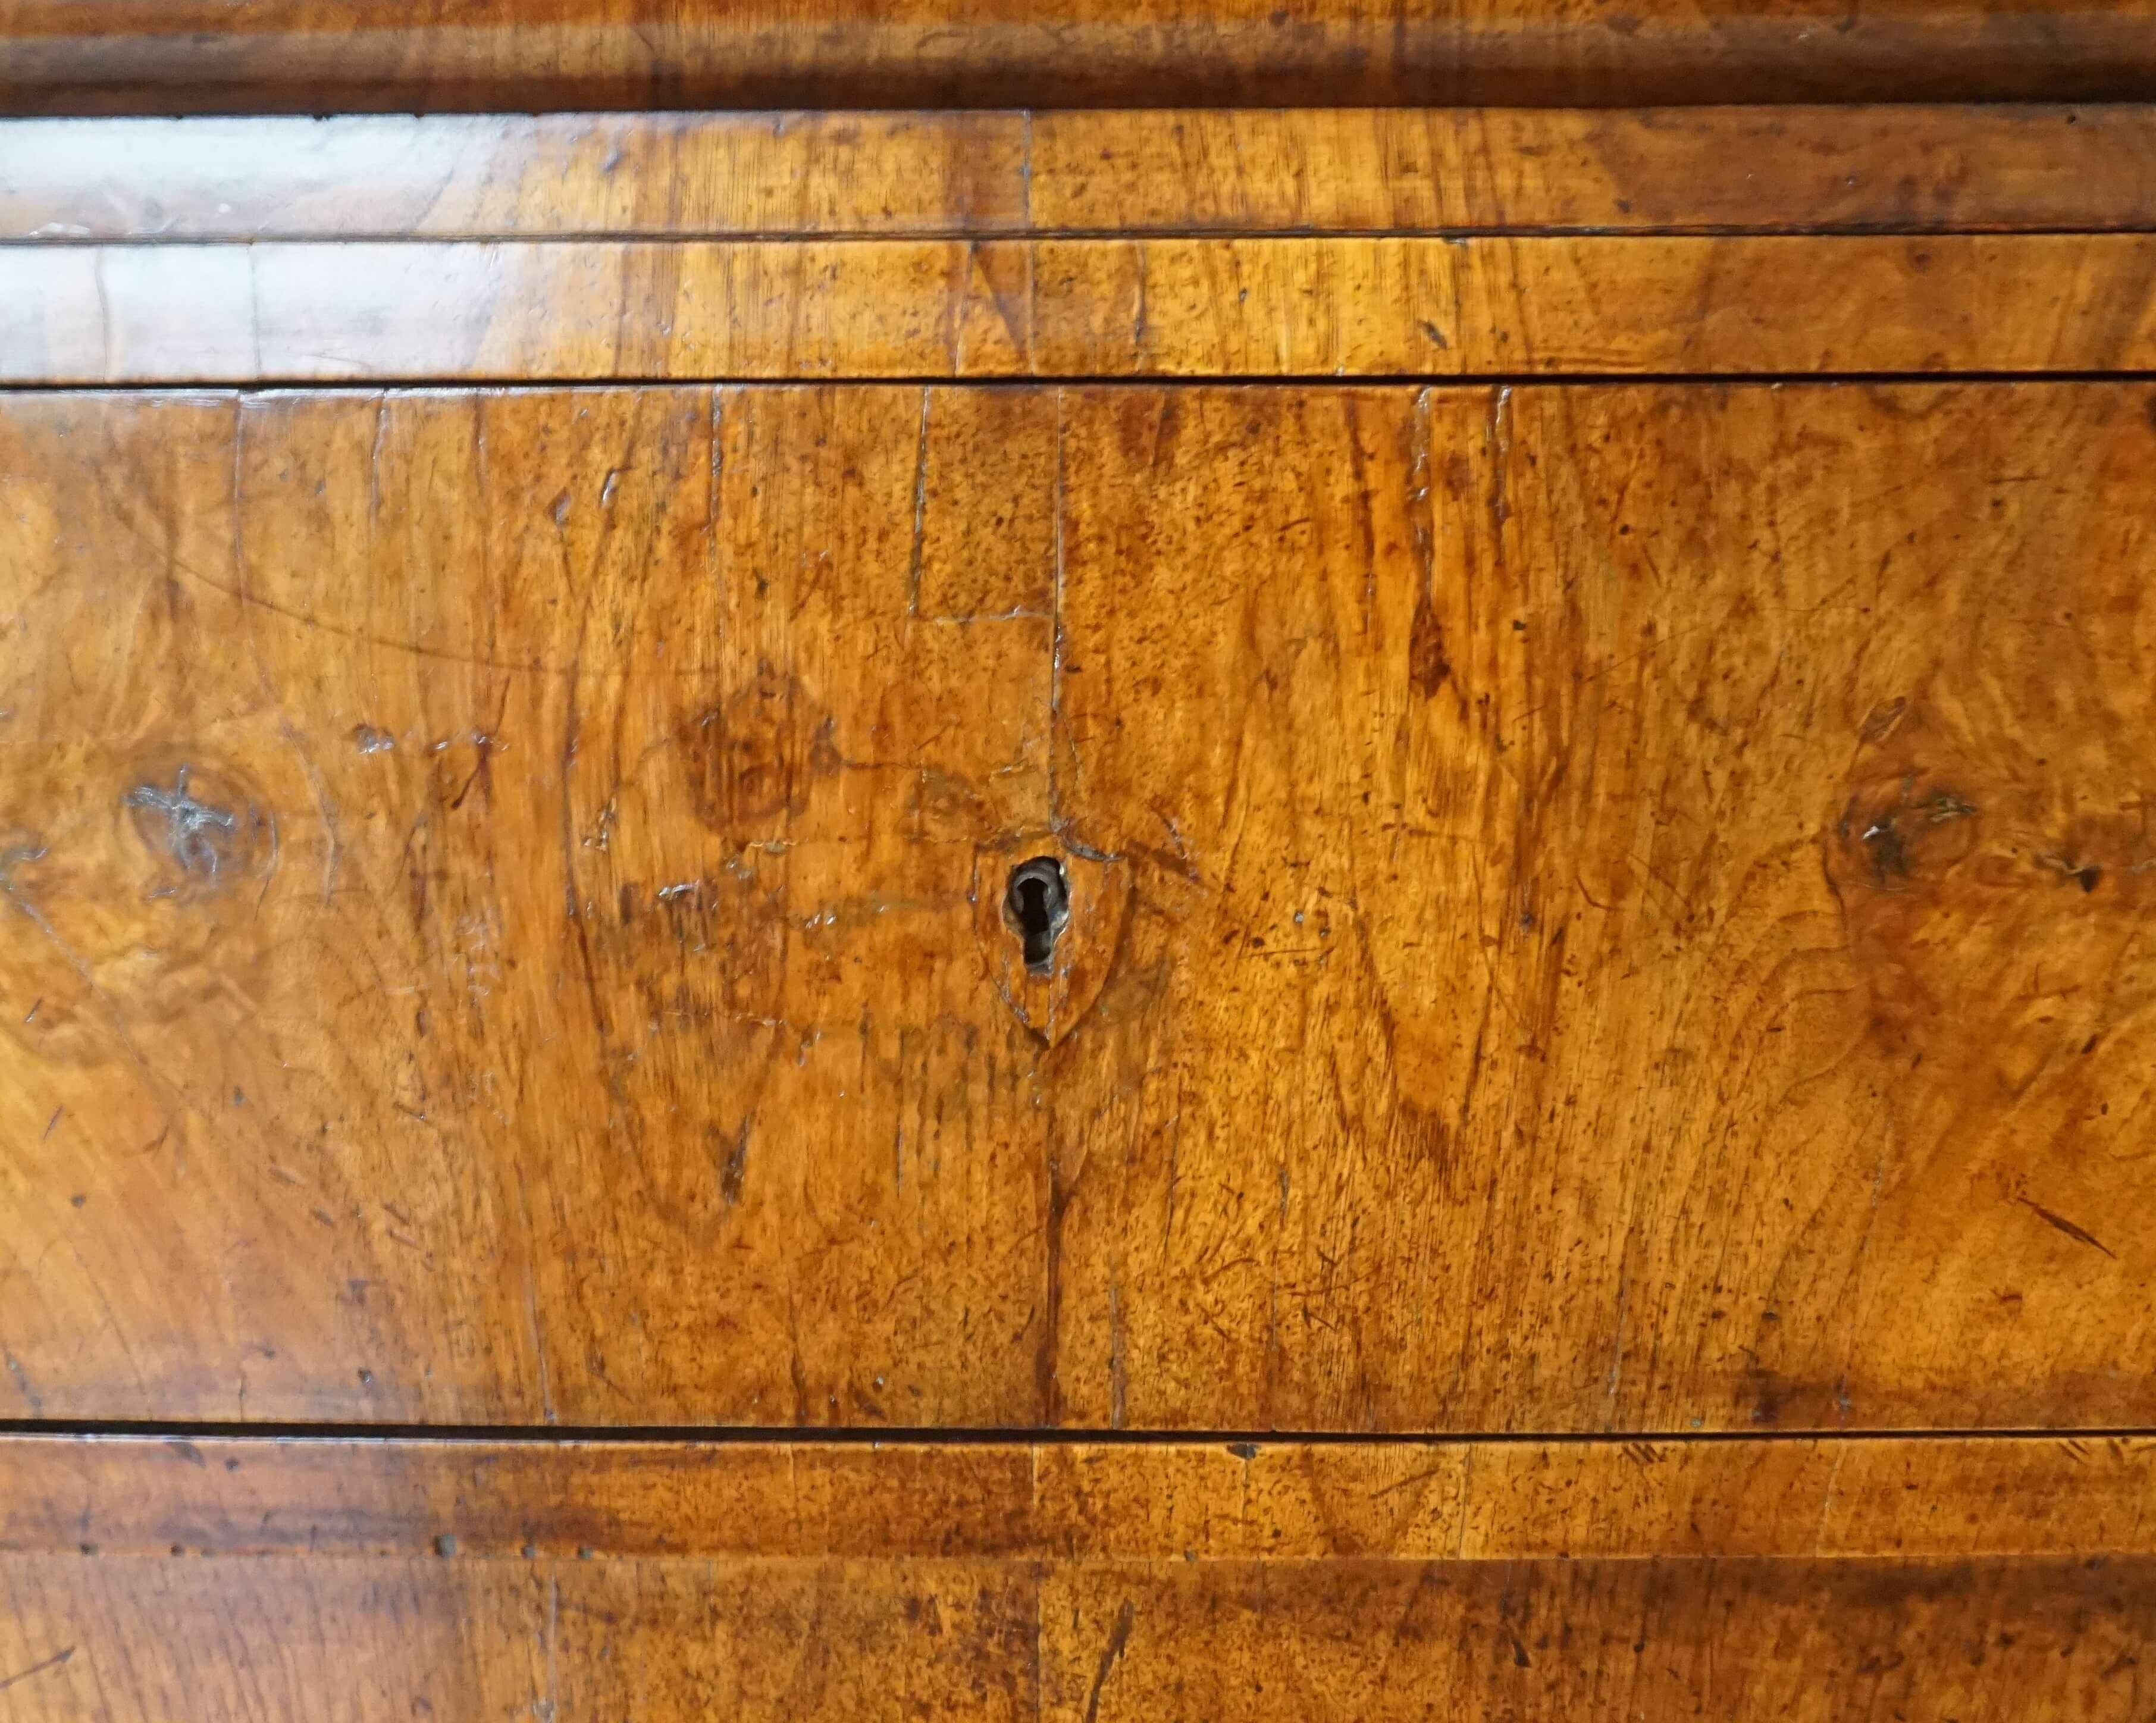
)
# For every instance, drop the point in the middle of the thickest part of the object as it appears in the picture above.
(700, 175)
(1419, 307)
(512, 313)
(368, 1495)
(304, 56)
(1635, 898)
(1176, 1642)
(1758, 169)
(1285, 1501)
(502, 175)
(1592, 909)
(121, 1639)
(490, 934)
(1199, 307)
(986, 503)
(881, 1642)
(117, 1638)
(178, 1639)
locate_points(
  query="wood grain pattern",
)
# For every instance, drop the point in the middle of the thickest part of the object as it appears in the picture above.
(1590, 907)
(1607, 909)
(1347, 307)
(512, 312)
(123, 1637)
(202, 56)
(1522, 171)
(557, 964)
(1843, 1498)
(127, 1638)
(507, 176)
(1733, 169)
(1258, 1642)
(789, 1581)
(1623, 864)
(1192, 307)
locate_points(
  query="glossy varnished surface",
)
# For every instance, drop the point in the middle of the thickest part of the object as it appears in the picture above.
(1640, 878)
(499, 177)
(507, 175)
(1972, 1499)
(1200, 307)
(1594, 906)
(1605, 908)
(185, 1641)
(302, 56)
(1003, 245)
(630, 815)
(221, 1579)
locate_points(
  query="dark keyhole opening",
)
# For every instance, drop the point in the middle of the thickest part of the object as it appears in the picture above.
(1036, 904)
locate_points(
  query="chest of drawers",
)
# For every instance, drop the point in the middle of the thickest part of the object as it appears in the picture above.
(975, 913)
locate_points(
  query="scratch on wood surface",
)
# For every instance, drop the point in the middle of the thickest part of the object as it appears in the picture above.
(1466, 1503)
(1047, 1360)
(1025, 181)
(1617, 1344)
(315, 625)
(52, 1661)
(255, 308)
(797, 1367)
(327, 808)
(1842, 1401)
(1826, 1501)
(104, 312)
(1139, 317)
(2079, 1234)
(22, 1378)
(1111, 1654)
(1118, 1379)
(1032, 300)
(1014, 312)
(1055, 627)
(550, 1706)
(1410, 1483)
(374, 458)
(1500, 455)
(531, 1303)
(920, 510)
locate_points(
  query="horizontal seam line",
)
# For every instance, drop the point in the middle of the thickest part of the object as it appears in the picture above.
(1766, 229)
(454, 383)
(552, 1435)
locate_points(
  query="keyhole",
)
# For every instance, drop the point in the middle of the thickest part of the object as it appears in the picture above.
(1036, 904)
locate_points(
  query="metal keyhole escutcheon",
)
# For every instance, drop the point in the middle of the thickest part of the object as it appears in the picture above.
(1036, 905)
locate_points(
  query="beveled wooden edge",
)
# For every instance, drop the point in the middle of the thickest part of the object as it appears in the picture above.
(1191, 308)
(293, 56)
(1913, 169)
(1957, 1497)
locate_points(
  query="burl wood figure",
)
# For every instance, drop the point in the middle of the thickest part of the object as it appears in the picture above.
(1124, 914)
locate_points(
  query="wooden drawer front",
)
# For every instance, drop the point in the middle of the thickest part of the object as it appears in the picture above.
(1595, 908)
